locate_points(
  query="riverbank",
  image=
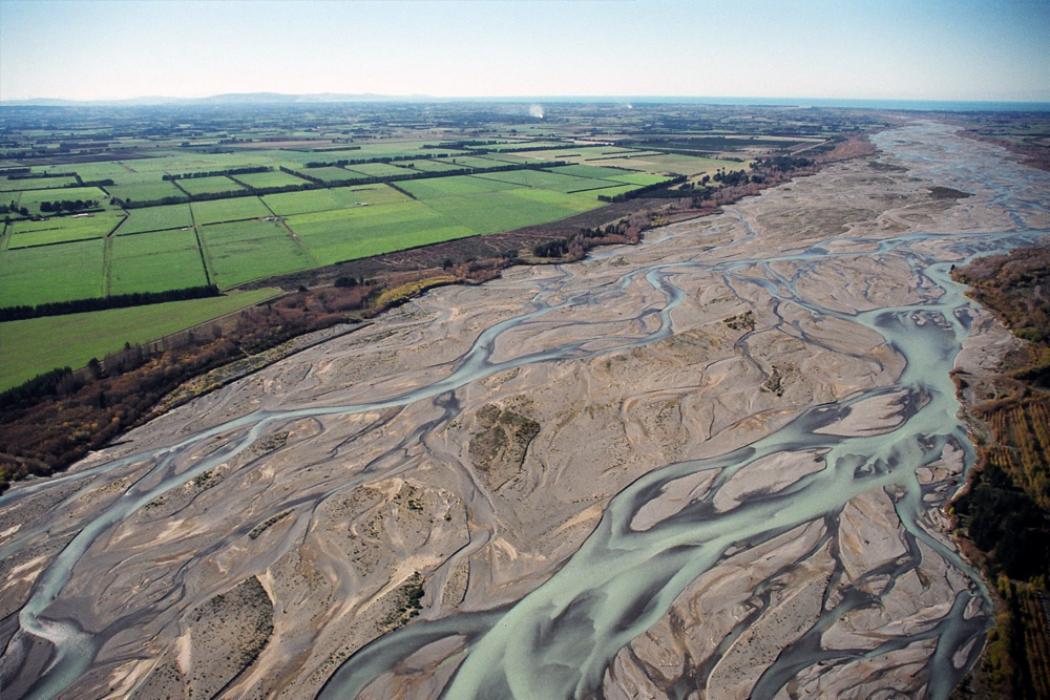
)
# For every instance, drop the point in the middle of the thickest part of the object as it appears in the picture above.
(1003, 512)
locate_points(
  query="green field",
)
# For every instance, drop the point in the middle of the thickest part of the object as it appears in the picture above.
(674, 164)
(38, 345)
(432, 166)
(217, 210)
(505, 210)
(58, 229)
(547, 180)
(472, 162)
(209, 185)
(346, 234)
(568, 153)
(36, 183)
(248, 250)
(155, 262)
(31, 199)
(156, 218)
(518, 145)
(103, 170)
(453, 185)
(378, 169)
(51, 273)
(276, 178)
(307, 201)
(614, 190)
(631, 177)
(145, 191)
(333, 174)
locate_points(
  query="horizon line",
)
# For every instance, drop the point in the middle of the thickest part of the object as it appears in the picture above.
(352, 97)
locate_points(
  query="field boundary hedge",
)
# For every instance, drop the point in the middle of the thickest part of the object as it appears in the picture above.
(116, 301)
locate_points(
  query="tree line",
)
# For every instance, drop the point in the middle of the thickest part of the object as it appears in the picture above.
(647, 190)
(116, 301)
(218, 173)
(68, 205)
(384, 159)
(13, 208)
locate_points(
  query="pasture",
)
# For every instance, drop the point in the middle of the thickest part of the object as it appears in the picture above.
(36, 345)
(479, 162)
(432, 165)
(155, 262)
(547, 180)
(30, 276)
(674, 164)
(346, 234)
(59, 229)
(454, 185)
(307, 201)
(36, 183)
(156, 219)
(209, 185)
(248, 250)
(275, 178)
(215, 211)
(510, 209)
(32, 199)
(151, 191)
(331, 173)
(379, 169)
(631, 177)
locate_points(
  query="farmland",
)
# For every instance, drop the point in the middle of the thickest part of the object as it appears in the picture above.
(63, 228)
(33, 199)
(274, 178)
(51, 273)
(32, 183)
(157, 218)
(379, 169)
(145, 191)
(209, 185)
(73, 339)
(243, 251)
(288, 203)
(145, 212)
(218, 210)
(332, 174)
(155, 262)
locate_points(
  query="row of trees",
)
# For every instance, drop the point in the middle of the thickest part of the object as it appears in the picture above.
(362, 161)
(648, 190)
(784, 163)
(116, 301)
(732, 177)
(313, 183)
(218, 173)
(13, 208)
(29, 175)
(68, 205)
(317, 182)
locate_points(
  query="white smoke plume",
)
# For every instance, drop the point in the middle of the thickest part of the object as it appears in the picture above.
(536, 111)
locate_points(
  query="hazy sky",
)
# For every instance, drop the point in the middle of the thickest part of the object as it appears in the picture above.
(918, 49)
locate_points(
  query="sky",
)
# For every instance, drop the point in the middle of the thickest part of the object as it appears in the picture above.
(879, 49)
